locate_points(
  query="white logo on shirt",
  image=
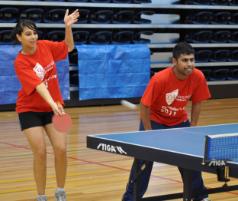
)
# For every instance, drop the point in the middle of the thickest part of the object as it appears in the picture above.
(39, 70)
(170, 97)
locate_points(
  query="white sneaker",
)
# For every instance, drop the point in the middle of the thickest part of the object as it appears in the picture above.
(41, 198)
(60, 196)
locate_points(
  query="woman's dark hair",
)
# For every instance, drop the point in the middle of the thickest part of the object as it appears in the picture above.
(182, 48)
(20, 27)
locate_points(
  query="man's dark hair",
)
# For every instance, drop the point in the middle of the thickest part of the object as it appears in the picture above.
(182, 48)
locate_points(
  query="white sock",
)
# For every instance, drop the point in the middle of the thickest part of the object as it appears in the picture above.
(60, 190)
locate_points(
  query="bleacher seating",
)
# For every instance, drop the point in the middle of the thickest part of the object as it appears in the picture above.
(219, 74)
(6, 36)
(221, 55)
(56, 35)
(101, 37)
(101, 17)
(203, 55)
(123, 37)
(9, 14)
(124, 17)
(199, 37)
(34, 14)
(81, 37)
(55, 15)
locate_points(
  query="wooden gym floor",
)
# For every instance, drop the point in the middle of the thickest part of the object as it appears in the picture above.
(94, 175)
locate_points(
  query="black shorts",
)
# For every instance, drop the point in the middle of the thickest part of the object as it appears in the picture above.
(33, 119)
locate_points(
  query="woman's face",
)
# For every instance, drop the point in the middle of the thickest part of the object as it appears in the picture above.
(28, 38)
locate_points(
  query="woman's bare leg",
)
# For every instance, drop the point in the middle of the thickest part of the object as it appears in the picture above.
(58, 141)
(36, 139)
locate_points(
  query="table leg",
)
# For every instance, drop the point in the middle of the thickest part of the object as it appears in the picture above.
(136, 183)
(187, 187)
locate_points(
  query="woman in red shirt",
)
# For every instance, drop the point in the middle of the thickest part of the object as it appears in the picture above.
(40, 98)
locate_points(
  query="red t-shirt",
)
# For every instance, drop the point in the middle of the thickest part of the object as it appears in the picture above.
(34, 69)
(167, 96)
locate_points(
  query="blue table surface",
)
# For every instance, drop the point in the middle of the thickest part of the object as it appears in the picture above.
(189, 141)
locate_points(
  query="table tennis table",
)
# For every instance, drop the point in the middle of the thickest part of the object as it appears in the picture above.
(183, 147)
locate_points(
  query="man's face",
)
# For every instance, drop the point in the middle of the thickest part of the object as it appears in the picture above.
(184, 65)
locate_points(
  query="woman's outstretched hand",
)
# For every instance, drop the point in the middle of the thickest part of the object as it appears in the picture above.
(72, 18)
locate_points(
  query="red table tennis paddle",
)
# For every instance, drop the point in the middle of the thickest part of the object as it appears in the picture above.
(62, 123)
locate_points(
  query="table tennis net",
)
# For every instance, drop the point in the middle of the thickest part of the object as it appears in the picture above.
(221, 147)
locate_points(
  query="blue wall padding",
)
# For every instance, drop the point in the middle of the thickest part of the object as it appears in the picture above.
(113, 71)
(9, 84)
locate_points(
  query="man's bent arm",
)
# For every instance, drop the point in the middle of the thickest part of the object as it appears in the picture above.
(145, 116)
(195, 112)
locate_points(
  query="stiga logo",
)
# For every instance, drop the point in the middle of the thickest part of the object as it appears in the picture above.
(216, 163)
(111, 148)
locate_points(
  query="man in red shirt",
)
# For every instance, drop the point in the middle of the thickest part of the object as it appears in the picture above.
(163, 106)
